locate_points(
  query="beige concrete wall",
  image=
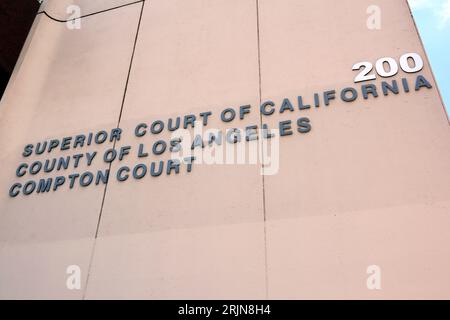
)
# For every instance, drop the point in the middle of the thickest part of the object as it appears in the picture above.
(369, 185)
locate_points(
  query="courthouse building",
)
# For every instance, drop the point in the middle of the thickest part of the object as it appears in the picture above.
(118, 123)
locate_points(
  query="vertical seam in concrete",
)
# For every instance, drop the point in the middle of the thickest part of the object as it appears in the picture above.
(262, 153)
(131, 64)
(114, 146)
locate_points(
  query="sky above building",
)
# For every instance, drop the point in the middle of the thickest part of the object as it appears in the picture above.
(433, 21)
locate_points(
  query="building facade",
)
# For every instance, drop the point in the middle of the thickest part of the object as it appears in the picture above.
(343, 192)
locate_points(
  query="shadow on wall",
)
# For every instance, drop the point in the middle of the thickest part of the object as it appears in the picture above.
(16, 18)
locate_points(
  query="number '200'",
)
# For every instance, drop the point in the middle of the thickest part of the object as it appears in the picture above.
(392, 67)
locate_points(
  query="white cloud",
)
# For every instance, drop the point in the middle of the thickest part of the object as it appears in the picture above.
(439, 8)
(444, 14)
(421, 4)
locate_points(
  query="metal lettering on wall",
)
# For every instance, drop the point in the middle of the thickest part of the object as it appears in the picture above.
(385, 68)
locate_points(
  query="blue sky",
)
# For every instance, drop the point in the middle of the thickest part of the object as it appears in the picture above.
(433, 21)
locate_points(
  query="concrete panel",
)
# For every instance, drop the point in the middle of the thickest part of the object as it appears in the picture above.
(59, 9)
(68, 80)
(197, 234)
(385, 159)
